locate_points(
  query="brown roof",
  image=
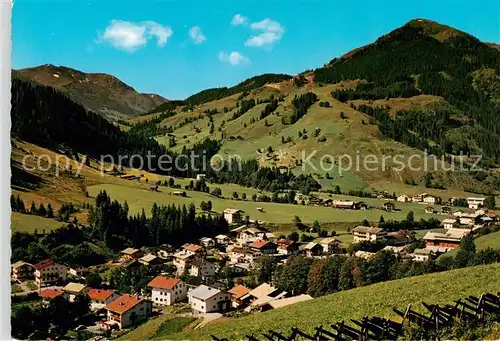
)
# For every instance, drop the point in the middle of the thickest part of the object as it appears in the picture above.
(239, 291)
(98, 294)
(43, 264)
(259, 243)
(368, 229)
(192, 247)
(164, 282)
(123, 304)
(285, 242)
(51, 293)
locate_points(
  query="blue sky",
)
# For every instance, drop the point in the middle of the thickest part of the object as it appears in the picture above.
(176, 48)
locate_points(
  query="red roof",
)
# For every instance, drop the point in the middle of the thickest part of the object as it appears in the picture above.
(239, 291)
(164, 282)
(51, 293)
(100, 295)
(192, 247)
(259, 243)
(43, 264)
(123, 304)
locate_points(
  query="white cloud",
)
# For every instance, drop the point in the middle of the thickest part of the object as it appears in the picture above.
(271, 32)
(238, 19)
(196, 35)
(130, 36)
(234, 58)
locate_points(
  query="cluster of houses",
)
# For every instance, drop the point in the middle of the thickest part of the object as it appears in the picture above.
(426, 198)
(239, 249)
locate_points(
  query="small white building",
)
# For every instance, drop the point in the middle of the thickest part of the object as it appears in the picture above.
(204, 299)
(431, 199)
(127, 310)
(475, 202)
(200, 177)
(167, 291)
(329, 244)
(403, 198)
(202, 268)
(232, 215)
(100, 298)
(450, 223)
(222, 239)
(368, 233)
(421, 255)
(49, 272)
(207, 242)
(71, 290)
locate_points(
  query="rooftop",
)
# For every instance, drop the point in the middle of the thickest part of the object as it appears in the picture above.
(43, 264)
(260, 243)
(203, 292)
(161, 282)
(99, 295)
(262, 290)
(130, 251)
(148, 258)
(238, 291)
(232, 210)
(51, 293)
(123, 304)
(74, 287)
(290, 300)
(192, 247)
(368, 229)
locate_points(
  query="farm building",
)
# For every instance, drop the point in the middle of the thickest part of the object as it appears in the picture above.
(127, 310)
(389, 206)
(475, 203)
(367, 233)
(450, 223)
(448, 240)
(232, 215)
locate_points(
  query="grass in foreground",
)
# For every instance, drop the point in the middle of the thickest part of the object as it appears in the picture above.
(377, 299)
(159, 328)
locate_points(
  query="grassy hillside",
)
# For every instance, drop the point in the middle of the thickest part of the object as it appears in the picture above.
(491, 240)
(377, 299)
(29, 223)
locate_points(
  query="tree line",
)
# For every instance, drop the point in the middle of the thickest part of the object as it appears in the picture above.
(176, 225)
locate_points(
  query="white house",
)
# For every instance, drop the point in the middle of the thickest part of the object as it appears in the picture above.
(475, 203)
(222, 239)
(431, 199)
(204, 299)
(101, 298)
(367, 233)
(207, 242)
(329, 244)
(421, 255)
(127, 310)
(202, 268)
(450, 223)
(48, 272)
(232, 215)
(167, 291)
(182, 260)
(71, 290)
(403, 198)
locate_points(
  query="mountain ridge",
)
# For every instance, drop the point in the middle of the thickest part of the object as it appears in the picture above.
(100, 92)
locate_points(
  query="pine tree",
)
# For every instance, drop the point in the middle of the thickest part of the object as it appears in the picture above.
(50, 211)
(33, 209)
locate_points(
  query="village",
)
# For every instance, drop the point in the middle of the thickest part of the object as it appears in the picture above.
(189, 276)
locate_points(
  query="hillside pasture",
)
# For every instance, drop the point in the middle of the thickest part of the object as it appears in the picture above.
(377, 299)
